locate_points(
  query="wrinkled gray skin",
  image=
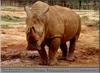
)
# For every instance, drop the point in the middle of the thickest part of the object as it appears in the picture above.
(52, 26)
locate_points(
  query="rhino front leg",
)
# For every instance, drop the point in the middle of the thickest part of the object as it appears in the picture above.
(44, 57)
(54, 45)
(71, 56)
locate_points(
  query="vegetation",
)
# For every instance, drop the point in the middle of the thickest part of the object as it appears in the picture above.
(77, 4)
(5, 26)
(84, 17)
(9, 18)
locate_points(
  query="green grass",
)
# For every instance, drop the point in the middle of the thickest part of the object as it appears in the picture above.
(84, 17)
(5, 26)
(9, 18)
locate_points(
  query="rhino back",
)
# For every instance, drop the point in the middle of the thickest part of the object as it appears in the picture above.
(62, 21)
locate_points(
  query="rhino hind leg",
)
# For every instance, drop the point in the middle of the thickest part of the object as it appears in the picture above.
(53, 47)
(71, 56)
(63, 47)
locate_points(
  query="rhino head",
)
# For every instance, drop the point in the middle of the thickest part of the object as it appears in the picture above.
(35, 24)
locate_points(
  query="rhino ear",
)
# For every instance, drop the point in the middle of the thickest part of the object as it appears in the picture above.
(28, 11)
(42, 11)
(45, 11)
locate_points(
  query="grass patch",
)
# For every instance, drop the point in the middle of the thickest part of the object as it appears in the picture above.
(8, 25)
(84, 17)
(4, 26)
(9, 18)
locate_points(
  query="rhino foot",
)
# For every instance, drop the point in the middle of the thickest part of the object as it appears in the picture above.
(43, 63)
(71, 58)
(53, 62)
(62, 58)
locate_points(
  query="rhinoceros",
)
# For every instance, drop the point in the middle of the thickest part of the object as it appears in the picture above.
(52, 26)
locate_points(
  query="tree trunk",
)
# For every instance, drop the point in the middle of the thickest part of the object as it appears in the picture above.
(50, 2)
(80, 2)
(63, 2)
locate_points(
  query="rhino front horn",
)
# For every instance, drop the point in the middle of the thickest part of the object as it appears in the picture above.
(28, 11)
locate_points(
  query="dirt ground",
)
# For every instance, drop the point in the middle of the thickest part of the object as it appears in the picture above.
(13, 42)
